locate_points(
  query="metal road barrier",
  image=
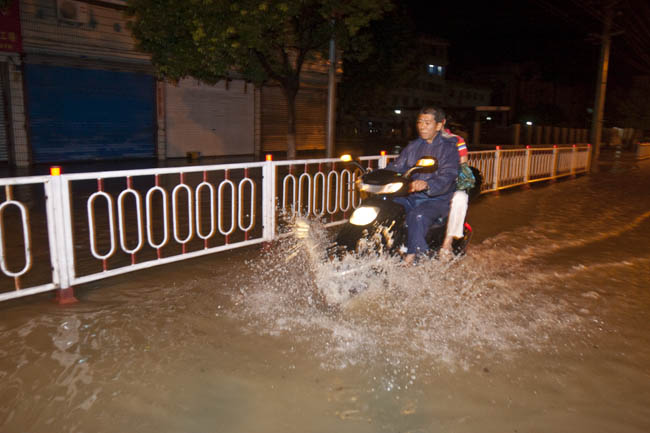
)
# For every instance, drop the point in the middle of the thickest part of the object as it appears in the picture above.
(64, 230)
(514, 167)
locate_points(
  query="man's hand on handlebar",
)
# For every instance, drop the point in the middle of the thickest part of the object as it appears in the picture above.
(418, 185)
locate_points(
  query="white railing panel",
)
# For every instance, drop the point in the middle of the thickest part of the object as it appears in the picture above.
(226, 206)
(485, 162)
(28, 259)
(565, 159)
(186, 209)
(321, 188)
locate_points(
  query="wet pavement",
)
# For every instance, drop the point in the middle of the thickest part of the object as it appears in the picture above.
(542, 327)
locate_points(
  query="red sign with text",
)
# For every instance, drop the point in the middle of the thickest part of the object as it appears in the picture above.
(10, 39)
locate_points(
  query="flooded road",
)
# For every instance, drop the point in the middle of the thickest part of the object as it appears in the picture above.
(542, 327)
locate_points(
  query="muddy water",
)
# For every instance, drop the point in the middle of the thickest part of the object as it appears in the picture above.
(543, 327)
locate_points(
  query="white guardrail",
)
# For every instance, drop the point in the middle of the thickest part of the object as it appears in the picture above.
(60, 231)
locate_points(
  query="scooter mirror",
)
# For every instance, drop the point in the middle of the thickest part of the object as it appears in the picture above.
(427, 164)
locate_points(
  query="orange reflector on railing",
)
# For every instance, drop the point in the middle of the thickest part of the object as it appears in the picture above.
(269, 157)
(55, 170)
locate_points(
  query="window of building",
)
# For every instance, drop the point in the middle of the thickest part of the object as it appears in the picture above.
(436, 70)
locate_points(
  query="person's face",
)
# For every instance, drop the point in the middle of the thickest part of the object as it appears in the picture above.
(428, 127)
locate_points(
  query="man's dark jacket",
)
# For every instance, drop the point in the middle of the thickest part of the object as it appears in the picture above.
(442, 182)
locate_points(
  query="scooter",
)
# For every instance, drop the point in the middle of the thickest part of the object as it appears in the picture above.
(379, 225)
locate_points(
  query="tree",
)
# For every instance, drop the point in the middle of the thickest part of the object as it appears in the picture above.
(257, 40)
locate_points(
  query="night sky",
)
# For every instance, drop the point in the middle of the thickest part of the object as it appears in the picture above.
(560, 35)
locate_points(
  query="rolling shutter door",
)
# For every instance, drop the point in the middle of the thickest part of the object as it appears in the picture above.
(213, 120)
(89, 114)
(4, 142)
(311, 119)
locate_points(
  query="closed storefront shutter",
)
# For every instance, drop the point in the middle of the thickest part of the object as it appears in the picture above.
(213, 120)
(89, 114)
(4, 121)
(311, 119)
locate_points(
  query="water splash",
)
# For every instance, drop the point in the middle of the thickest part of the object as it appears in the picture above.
(368, 308)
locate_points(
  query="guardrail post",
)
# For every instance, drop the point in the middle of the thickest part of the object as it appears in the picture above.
(529, 156)
(497, 168)
(588, 167)
(574, 155)
(383, 160)
(555, 158)
(268, 200)
(60, 237)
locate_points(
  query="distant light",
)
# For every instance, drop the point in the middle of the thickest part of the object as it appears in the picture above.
(431, 66)
(346, 157)
(269, 157)
(382, 153)
(488, 118)
(55, 170)
(498, 147)
(529, 123)
(398, 111)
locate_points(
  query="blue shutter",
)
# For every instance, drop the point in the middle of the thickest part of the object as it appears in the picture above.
(88, 114)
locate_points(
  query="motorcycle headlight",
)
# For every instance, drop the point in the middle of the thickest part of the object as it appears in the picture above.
(389, 188)
(364, 215)
(392, 187)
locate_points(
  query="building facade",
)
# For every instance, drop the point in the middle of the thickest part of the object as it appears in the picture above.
(429, 86)
(75, 87)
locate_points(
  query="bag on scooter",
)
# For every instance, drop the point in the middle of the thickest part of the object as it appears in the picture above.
(465, 180)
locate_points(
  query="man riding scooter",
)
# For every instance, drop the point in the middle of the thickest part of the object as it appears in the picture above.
(430, 193)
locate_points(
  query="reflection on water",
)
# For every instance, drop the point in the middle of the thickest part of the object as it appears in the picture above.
(541, 327)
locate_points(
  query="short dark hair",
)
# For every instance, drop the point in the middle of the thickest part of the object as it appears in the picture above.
(437, 113)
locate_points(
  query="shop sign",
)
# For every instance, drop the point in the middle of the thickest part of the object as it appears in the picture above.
(10, 39)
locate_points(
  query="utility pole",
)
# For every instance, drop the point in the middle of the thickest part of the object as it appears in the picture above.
(331, 100)
(601, 83)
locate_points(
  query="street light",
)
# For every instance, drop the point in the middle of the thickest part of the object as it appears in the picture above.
(529, 123)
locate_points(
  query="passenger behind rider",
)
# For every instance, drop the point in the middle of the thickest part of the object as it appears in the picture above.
(459, 201)
(430, 193)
